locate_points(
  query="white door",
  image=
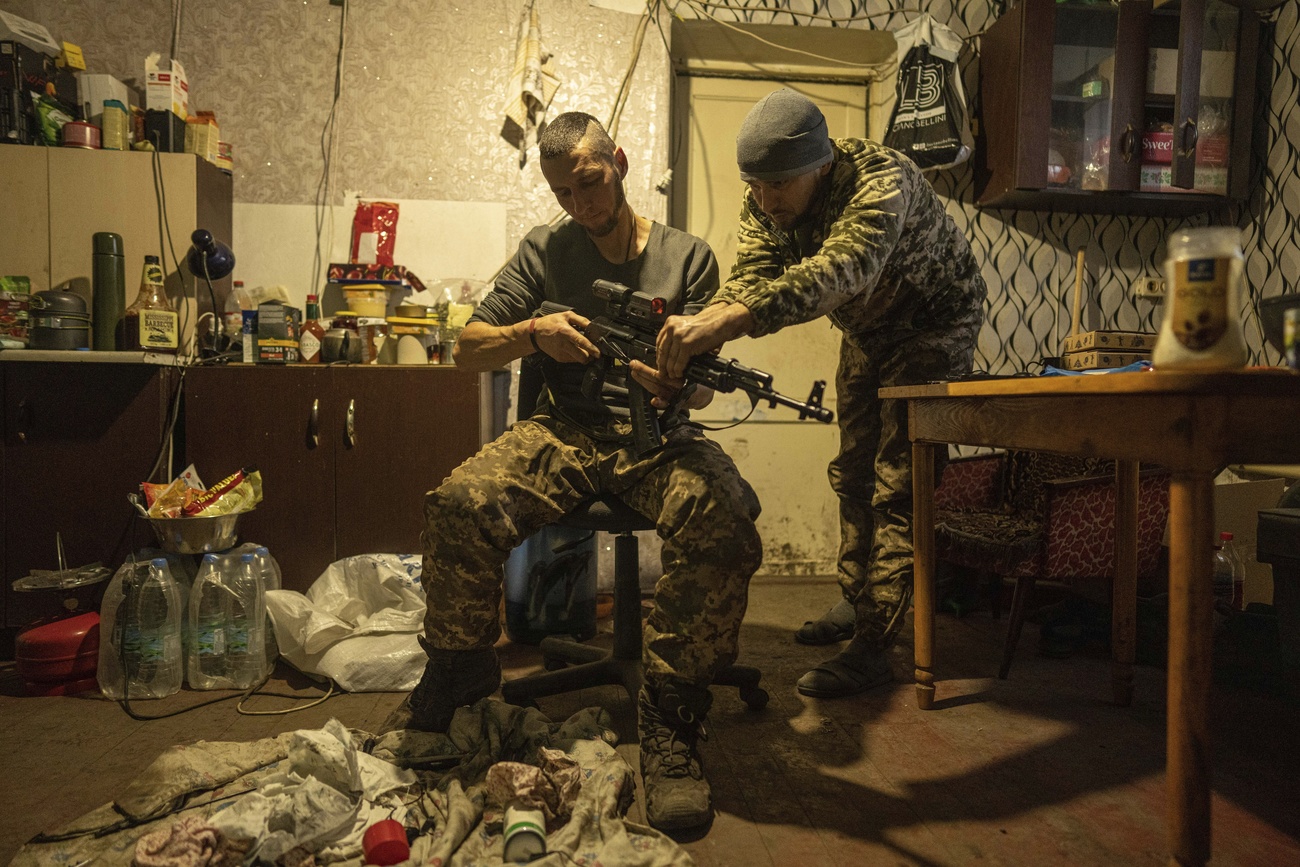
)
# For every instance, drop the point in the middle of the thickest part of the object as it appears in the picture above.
(783, 458)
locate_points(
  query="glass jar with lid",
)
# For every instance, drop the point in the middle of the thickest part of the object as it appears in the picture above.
(1201, 329)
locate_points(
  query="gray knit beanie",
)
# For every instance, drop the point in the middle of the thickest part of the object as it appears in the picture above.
(783, 135)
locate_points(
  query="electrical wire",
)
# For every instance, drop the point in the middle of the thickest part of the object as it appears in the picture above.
(328, 138)
(699, 8)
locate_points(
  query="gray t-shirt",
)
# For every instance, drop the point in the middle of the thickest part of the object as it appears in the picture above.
(559, 264)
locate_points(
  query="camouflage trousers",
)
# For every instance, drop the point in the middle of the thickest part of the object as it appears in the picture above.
(542, 468)
(872, 474)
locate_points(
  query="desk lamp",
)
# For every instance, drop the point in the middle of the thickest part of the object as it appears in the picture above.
(211, 260)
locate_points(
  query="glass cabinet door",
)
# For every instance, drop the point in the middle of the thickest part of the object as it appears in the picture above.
(1096, 94)
(1191, 80)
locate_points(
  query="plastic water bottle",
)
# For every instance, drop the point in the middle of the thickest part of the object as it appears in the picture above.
(270, 571)
(1221, 576)
(206, 666)
(1233, 554)
(246, 624)
(140, 633)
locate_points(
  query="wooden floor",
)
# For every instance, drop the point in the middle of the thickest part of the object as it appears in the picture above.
(1040, 769)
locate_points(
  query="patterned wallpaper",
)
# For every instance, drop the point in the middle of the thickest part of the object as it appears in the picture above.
(420, 113)
(423, 92)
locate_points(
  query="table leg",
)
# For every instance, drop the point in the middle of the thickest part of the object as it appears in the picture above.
(1187, 756)
(923, 570)
(1123, 623)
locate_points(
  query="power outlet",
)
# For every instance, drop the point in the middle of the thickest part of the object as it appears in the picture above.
(1149, 288)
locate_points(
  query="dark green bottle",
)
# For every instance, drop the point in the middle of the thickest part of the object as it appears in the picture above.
(109, 287)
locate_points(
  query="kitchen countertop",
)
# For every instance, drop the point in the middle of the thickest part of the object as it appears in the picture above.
(85, 356)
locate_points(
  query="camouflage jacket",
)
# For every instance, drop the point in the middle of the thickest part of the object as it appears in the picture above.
(879, 256)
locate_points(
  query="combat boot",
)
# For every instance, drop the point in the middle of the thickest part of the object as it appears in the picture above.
(451, 679)
(672, 724)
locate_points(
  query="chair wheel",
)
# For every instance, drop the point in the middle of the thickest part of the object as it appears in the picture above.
(755, 697)
(550, 663)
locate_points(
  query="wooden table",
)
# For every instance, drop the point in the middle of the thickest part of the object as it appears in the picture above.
(1192, 423)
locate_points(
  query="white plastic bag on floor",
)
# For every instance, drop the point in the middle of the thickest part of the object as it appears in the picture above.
(357, 624)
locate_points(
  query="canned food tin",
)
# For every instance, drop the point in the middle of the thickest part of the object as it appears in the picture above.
(1290, 337)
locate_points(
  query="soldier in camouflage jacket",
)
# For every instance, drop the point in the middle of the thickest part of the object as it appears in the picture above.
(851, 230)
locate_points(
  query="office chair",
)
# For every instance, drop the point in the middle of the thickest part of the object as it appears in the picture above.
(572, 665)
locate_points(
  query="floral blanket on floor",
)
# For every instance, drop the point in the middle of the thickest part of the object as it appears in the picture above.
(307, 797)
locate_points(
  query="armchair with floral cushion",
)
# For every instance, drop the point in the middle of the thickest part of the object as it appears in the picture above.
(1033, 516)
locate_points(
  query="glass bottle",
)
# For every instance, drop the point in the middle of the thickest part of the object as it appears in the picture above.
(312, 337)
(150, 323)
(1202, 324)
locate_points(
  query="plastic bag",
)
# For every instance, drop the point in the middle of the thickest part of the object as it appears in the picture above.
(374, 232)
(357, 624)
(929, 122)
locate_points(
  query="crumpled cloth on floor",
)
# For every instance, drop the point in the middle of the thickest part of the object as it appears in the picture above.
(189, 843)
(532, 83)
(445, 801)
(552, 785)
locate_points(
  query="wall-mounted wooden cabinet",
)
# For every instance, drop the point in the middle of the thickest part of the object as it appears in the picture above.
(1117, 107)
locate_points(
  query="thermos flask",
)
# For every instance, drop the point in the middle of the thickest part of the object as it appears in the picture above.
(109, 287)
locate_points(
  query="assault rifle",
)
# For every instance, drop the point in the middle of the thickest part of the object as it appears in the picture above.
(627, 333)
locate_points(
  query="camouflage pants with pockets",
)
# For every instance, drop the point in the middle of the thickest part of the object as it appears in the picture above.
(542, 468)
(872, 474)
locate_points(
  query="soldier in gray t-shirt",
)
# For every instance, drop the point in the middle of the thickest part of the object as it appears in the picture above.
(850, 230)
(573, 447)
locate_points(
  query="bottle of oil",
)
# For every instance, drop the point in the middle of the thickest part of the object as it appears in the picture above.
(150, 323)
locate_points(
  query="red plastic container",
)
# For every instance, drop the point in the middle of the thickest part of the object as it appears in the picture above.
(59, 653)
(385, 843)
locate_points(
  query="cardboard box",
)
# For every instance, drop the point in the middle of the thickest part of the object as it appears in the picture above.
(203, 136)
(278, 330)
(1218, 72)
(29, 33)
(166, 88)
(1237, 505)
(95, 88)
(1131, 341)
(1207, 179)
(1094, 359)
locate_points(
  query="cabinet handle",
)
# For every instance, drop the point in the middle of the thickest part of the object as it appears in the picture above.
(1127, 143)
(1188, 138)
(350, 434)
(313, 425)
(24, 419)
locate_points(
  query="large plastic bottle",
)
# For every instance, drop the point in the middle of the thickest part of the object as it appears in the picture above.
(1201, 329)
(140, 633)
(205, 665)
(246, 626)
(270, 571)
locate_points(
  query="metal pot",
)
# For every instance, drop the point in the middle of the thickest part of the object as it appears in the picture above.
(341, 344)
(58, 320)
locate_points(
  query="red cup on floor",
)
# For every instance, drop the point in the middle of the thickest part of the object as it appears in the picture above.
(385, 843)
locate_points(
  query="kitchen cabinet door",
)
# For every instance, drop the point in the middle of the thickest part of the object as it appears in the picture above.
(400, 431)
(280, 420)
(1208, 109)
(78, 437)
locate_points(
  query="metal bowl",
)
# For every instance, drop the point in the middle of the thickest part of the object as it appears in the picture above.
(197, 535)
